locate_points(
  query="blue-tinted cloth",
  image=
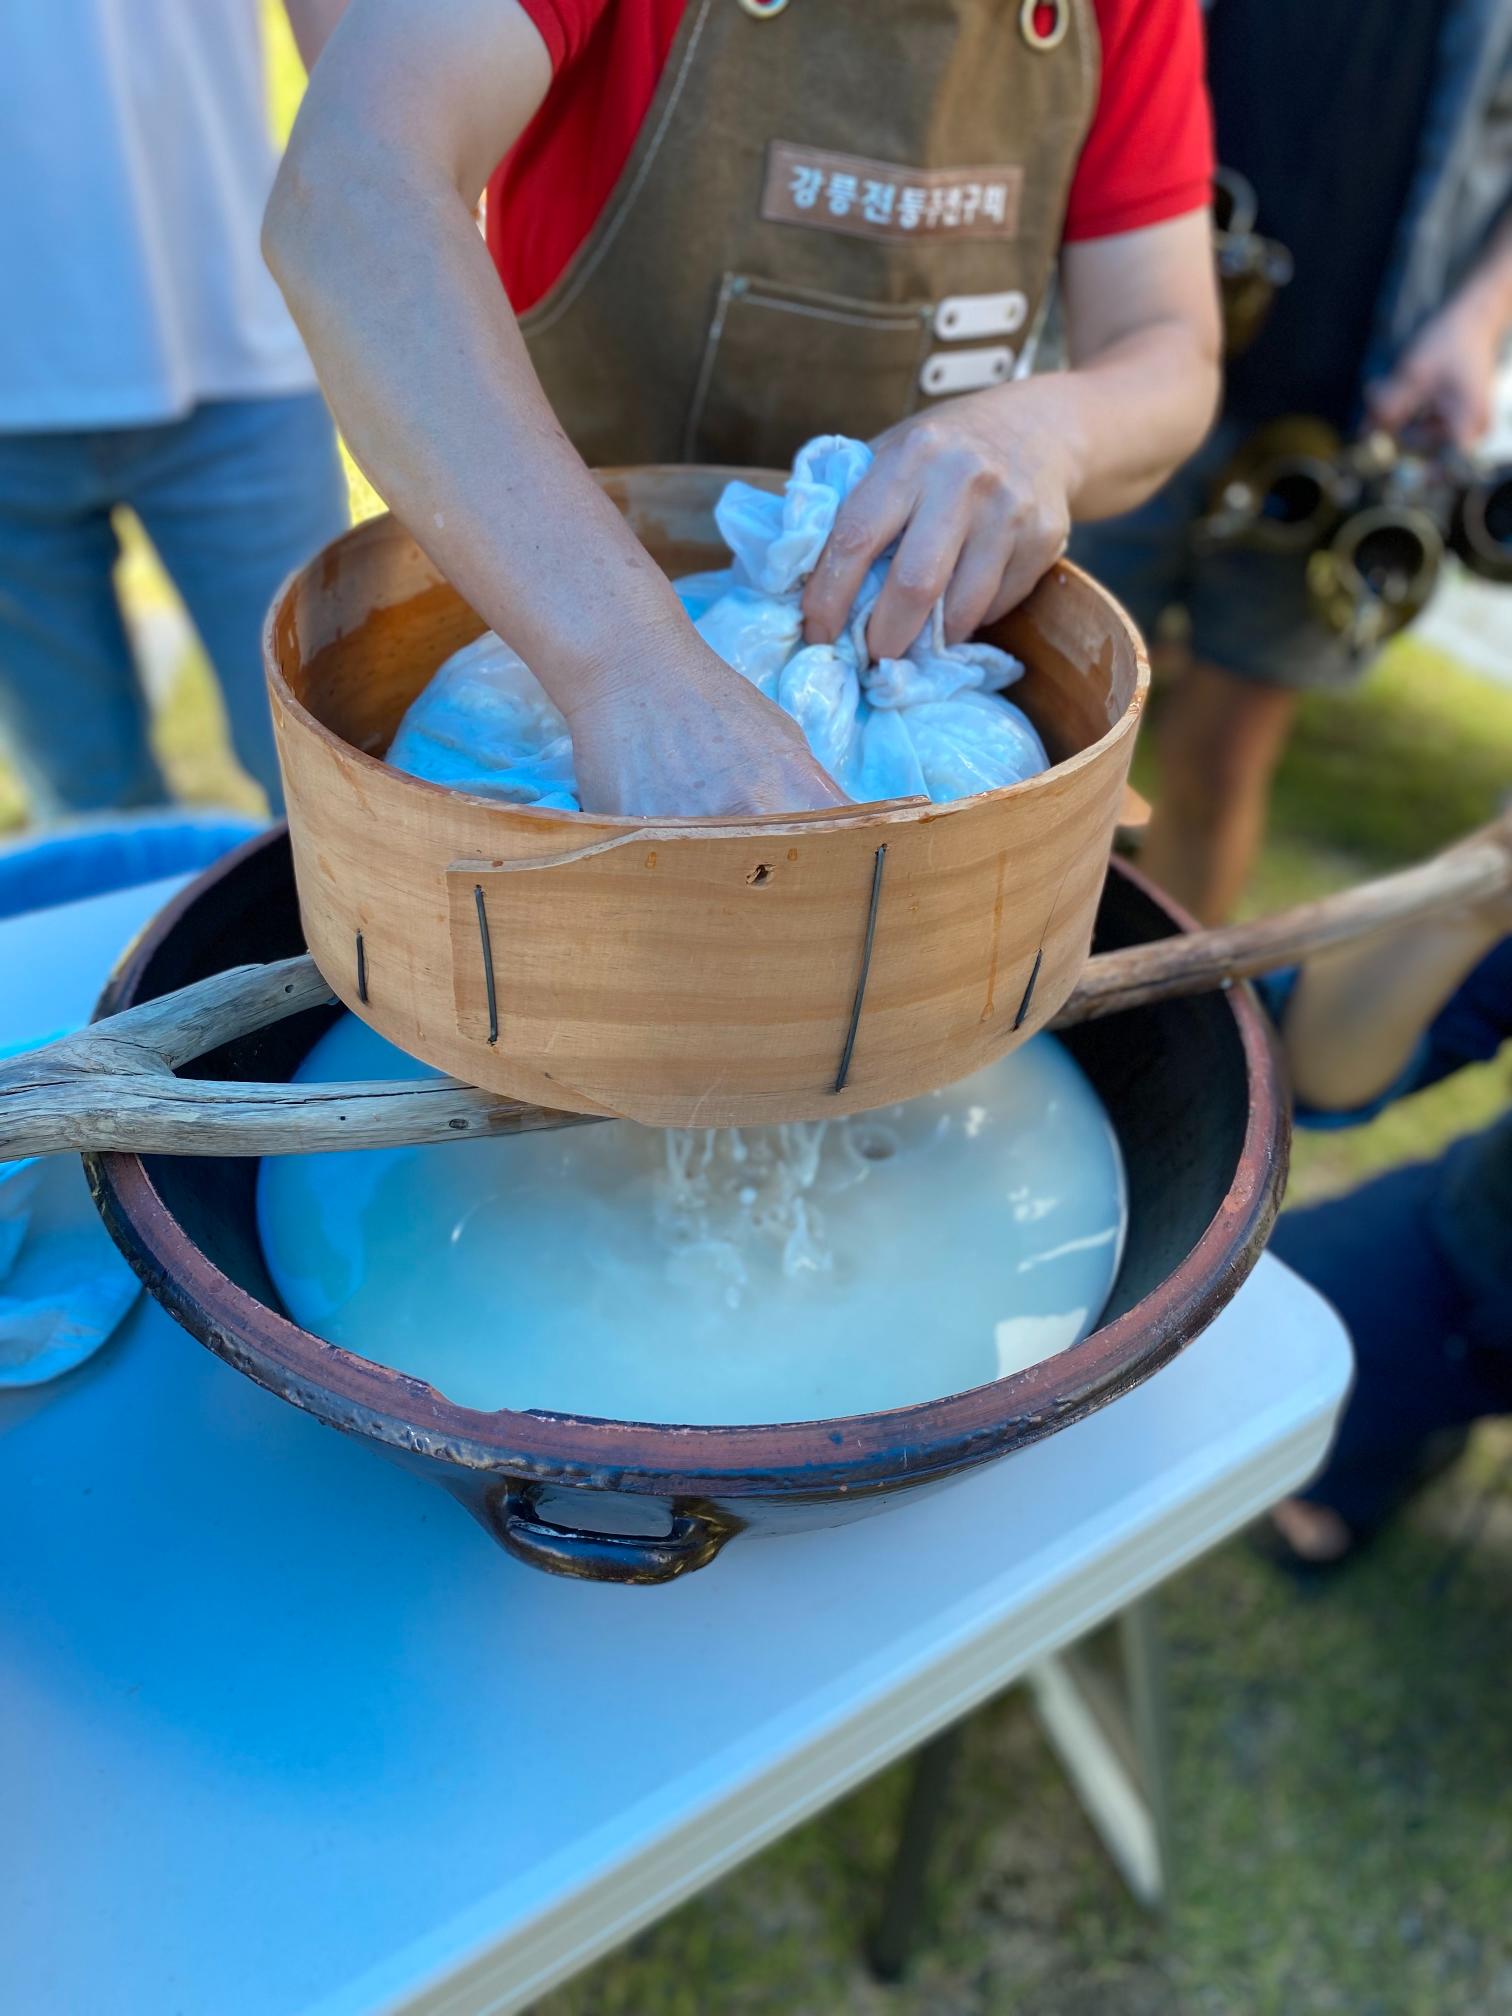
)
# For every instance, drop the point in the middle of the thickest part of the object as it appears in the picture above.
(63, 1286)
(1419, 1265)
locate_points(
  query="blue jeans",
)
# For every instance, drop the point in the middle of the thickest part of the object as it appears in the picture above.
(233, 496)
(1433, 1346)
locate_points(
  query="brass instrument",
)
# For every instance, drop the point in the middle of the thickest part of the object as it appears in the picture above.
(1375, 518)
(1250, 268)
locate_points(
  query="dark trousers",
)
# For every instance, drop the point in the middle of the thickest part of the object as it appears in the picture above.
(1431, 1354)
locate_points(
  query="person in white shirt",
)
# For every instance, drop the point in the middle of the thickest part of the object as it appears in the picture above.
(146, 359)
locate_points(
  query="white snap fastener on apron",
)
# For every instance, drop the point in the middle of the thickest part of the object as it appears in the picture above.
(961, 316)
(965, 370)
(763, 10)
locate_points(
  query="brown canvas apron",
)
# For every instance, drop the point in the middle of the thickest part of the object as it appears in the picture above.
(833, 215)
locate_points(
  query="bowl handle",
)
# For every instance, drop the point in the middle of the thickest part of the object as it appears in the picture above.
(637, 1559)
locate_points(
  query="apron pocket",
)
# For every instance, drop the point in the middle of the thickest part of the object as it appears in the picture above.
(782, 364)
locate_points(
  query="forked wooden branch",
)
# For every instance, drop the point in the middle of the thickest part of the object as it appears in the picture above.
(111, 1087)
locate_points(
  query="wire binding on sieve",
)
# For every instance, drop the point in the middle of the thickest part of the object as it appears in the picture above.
(1034, 973)
(879, 862)
(488, 972)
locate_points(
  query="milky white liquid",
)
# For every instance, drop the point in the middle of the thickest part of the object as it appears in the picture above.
(759, 1274)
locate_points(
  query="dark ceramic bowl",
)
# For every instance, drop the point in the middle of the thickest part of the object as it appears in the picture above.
(1192, 1091)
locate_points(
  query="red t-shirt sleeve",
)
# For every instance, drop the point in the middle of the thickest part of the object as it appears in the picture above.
(1149, 154)
(1147, 157)
(545, 196)
(563, 25)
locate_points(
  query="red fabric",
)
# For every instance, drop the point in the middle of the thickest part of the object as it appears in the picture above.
(1148, 156)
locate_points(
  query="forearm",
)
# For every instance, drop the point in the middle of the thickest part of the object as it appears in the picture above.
(1129, 415)
(1357, 1015)
(425, 369)
(1447, 374)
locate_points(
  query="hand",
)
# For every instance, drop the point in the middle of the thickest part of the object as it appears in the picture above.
(1446, 374)
(978, 491)
(673, 732)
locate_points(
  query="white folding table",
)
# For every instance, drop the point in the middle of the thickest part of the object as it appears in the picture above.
(283, 1734)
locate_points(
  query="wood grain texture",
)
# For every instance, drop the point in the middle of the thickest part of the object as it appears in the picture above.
(686, 972)
(110, 1086)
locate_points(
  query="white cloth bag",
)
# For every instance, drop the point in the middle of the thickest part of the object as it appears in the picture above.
(932, 723)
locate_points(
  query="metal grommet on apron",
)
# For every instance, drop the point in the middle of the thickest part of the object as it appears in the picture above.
(796, 209)
(1044, 23)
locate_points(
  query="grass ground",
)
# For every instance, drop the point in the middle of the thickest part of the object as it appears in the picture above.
(1344, 1831)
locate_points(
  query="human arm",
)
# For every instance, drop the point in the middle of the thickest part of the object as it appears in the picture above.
(370, 234)
(1448, 372)
(1357, 1016)
(312, 22)
(983, 490)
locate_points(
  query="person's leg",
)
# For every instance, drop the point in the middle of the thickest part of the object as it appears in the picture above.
(1217, 743)
(1419, 1372)
(72, 715)
(1224, 725)
(240, 494)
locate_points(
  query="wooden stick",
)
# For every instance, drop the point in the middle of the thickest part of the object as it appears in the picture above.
(111, 1087)
(154, 1113)
(1474, 871)
(177, 1028)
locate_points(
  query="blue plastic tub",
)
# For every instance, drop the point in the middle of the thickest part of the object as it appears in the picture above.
(120, 851)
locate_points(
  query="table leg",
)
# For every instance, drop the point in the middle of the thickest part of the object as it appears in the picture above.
(1114, 1744)
(1147, 1677)
(907, 1889)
